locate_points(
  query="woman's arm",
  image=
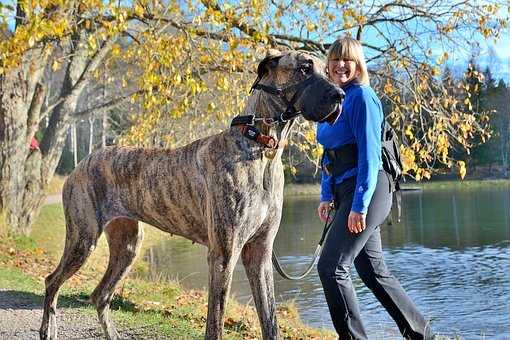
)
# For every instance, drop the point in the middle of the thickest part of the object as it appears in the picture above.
(366, 121)
(326, 183)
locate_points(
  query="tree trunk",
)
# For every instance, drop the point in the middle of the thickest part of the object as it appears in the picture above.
(104, 129)
(74, 143)
(25, 173)
(21, 186)
(506, 150)
(91, 135)
(504, 156)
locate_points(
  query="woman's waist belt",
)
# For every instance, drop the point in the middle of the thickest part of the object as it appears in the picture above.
(340, 159)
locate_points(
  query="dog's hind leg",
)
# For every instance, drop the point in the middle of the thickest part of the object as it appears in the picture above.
(80, 242)
(221, 267)
(124, 239)
(256, 256)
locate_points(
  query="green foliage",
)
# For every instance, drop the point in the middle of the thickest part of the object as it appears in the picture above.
(24, 242)
(495, 99)
(15, 279)
(66, 163)
(49, 229)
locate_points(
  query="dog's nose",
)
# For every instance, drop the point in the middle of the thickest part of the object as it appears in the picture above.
(337, 94)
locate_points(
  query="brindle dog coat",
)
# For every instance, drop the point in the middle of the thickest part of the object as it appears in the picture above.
(219, 191)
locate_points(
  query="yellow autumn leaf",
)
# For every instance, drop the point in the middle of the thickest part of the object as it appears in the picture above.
(462, 169)
(409, 132)
(443, 58)
(388, 88)
(116, 50)
(139, 11)
(55, 66)
(92, 43)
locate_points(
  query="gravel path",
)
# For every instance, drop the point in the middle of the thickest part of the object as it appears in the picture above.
(20, 318)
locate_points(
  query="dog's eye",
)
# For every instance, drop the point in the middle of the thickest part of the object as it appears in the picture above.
(305, 69)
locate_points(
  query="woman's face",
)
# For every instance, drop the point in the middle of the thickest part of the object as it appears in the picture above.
(342, 71)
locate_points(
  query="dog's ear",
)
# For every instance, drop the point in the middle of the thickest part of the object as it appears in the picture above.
(270, 61)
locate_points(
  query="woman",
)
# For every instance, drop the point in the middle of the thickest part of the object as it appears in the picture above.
(353, 177)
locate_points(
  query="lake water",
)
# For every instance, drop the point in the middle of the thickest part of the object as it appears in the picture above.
(451, 252)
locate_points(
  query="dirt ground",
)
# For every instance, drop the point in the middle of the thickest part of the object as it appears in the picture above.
(20, 318)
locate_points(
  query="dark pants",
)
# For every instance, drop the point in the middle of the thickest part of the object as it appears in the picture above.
(343, 248)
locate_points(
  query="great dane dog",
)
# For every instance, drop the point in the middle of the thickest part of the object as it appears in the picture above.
(224, 191)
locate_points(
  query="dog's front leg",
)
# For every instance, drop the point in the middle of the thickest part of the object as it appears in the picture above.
(256, 257)
(221, 267)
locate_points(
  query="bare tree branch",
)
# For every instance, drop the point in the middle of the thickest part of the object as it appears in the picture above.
(100, 109)
(235, 22)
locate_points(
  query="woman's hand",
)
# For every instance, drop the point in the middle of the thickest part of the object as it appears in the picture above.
(356, 222)
(323, 210)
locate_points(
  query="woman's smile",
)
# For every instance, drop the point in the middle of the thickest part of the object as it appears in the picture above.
(342, 71)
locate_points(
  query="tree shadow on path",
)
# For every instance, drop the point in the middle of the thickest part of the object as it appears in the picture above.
(14, 299)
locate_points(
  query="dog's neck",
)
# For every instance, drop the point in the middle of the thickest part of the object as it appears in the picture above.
(265, 105)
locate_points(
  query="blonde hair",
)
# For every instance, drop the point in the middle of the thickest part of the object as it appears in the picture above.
(349, 48)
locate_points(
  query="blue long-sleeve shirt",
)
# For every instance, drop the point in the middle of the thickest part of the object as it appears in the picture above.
(360, 122)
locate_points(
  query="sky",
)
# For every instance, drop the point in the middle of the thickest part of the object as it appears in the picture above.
(497, 57)
(487, 52)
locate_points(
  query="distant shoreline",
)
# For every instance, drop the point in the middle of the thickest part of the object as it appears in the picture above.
(293, 189)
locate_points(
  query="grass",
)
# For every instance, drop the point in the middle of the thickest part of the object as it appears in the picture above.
(15, 279)
(160, 307)
(55, 185)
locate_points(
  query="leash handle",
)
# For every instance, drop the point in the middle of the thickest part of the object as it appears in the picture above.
(328, 223)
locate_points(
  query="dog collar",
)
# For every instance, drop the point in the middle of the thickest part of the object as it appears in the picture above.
(246, 125)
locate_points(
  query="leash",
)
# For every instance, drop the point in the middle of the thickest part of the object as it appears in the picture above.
(246, 124)
(278, 266)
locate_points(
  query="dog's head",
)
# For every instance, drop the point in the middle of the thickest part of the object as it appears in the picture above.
(301, 76)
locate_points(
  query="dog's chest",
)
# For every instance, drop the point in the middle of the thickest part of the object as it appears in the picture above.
(272, 175)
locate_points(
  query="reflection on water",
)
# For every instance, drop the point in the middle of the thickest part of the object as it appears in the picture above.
(451, 253)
